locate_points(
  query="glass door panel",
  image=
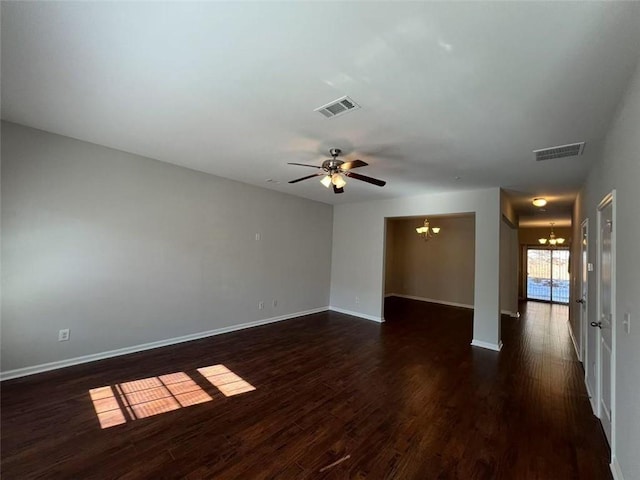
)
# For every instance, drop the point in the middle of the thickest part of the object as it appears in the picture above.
(548, 275)
(539, 274)
(560, 276)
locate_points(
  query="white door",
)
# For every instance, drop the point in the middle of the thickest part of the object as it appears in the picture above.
(606, 352)
(582, 300)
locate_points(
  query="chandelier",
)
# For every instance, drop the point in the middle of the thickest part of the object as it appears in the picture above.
(552, 240)
(427, 232)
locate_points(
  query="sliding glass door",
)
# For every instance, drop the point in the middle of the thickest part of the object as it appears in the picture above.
(548, 275)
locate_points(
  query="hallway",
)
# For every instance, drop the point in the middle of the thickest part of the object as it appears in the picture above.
(551, 404)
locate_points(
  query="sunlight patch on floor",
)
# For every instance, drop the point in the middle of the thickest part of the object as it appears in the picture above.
(145, 397)
(123, 402)
(225, 380)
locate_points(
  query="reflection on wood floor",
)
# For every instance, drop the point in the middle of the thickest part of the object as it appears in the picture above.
(409, 399)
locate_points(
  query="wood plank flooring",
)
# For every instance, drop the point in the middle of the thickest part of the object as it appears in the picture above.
(409, 399)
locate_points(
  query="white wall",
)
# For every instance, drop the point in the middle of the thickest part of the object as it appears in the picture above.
(619, 168)
(125, 250)
(441, 269)
(391, 267)
(358, 253)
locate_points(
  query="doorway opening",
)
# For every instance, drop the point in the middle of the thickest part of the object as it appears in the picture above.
(435, 269)
(548, 275)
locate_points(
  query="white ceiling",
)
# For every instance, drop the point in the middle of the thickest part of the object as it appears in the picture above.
(447, 89)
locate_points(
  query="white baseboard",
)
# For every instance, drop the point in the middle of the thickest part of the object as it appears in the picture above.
(491, 346)
(431, 300)
(573, 340)
(510, 313)
(45, 367)
(591, 397)
(615, 469)
(357, 314)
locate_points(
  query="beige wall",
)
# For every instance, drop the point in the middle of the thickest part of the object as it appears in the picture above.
(441, 269)
(508, 268)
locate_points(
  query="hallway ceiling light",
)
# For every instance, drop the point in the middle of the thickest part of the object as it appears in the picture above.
(539, 202)
(427, 232)
(552, 240)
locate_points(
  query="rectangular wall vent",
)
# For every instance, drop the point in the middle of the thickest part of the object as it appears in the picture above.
(571, 150)
(337, 107)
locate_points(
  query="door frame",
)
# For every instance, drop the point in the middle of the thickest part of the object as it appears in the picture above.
(609, 198)
(584, 295)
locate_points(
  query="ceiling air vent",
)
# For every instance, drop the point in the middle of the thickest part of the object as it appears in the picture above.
(337, 107)
(571, 150)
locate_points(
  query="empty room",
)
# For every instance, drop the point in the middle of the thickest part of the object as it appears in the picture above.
(309, 240)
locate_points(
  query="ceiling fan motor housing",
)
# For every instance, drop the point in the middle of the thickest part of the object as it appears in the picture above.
(332, 166)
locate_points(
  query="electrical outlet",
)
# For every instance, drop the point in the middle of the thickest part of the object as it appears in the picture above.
(63, 335)
(258, 237)
(260, 305)
(275, 303)
(357, 300)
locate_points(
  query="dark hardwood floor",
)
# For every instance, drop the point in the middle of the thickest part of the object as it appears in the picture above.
(409, 399)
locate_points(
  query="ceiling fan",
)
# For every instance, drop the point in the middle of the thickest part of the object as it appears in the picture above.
(333, 172)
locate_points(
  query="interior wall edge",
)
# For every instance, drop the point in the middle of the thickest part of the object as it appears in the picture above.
(351, 313)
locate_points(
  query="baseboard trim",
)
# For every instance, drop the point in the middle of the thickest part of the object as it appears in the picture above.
(431, 300)
(510, 313)
(591, 398)
(357, 314)
(616, 471)
(490, 346)
(573, 340)
(46, 367)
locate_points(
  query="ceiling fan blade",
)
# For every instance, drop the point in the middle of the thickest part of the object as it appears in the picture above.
(307, 177)
(338, 190)
(304, 165)
(364, 178)
(351, 165)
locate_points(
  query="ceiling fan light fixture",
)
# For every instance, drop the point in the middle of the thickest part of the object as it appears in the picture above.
(333, 172)
(435, 230)
(542, 241)
(326, 181)
(337, 180)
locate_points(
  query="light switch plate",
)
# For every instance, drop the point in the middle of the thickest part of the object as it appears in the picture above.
(627, 323)
(590, 267)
